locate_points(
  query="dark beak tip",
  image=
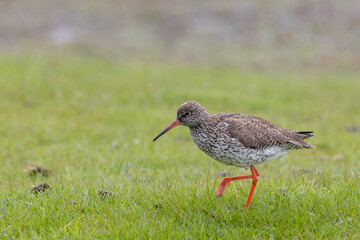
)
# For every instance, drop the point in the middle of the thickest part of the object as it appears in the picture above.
(156, 138)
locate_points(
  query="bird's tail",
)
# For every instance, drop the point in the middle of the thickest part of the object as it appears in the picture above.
(305, 134)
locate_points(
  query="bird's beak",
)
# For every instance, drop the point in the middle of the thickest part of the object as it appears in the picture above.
(174, 124)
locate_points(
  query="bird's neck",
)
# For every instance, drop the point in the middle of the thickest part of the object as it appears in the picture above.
(198, 127)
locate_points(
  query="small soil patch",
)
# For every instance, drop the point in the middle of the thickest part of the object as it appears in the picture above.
(42, 187)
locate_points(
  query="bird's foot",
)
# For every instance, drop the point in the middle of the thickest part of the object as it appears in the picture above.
(221, 188)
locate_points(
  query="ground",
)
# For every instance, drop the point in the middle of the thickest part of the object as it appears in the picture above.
(90, 123)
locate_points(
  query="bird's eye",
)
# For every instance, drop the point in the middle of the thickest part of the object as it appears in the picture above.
(187, 114)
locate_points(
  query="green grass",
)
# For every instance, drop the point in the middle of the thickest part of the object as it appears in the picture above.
(92, 122)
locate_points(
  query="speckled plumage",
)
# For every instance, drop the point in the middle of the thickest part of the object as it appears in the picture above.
(238, 139)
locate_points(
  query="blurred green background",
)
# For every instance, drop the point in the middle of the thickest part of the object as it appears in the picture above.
(261, 35)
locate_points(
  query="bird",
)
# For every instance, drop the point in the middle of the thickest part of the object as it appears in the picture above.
(240, 140)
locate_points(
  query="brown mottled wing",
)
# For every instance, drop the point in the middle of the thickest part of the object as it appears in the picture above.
(257, 133)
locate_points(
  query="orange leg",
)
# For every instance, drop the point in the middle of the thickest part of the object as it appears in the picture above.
(255, 174)
(225, 182)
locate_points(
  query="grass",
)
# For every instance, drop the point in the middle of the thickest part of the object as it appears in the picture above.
(91, 122)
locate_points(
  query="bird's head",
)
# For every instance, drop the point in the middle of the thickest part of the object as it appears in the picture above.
(190, 114)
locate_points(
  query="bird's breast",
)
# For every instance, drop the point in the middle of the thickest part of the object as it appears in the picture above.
(205, 140)
(217, 145)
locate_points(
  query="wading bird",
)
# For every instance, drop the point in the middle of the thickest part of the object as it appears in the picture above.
(237, 139)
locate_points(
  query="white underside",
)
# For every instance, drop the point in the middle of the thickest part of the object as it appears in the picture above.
(273, 153)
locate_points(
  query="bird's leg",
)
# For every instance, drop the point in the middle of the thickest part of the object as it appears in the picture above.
(225, 182)
(255, 174)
